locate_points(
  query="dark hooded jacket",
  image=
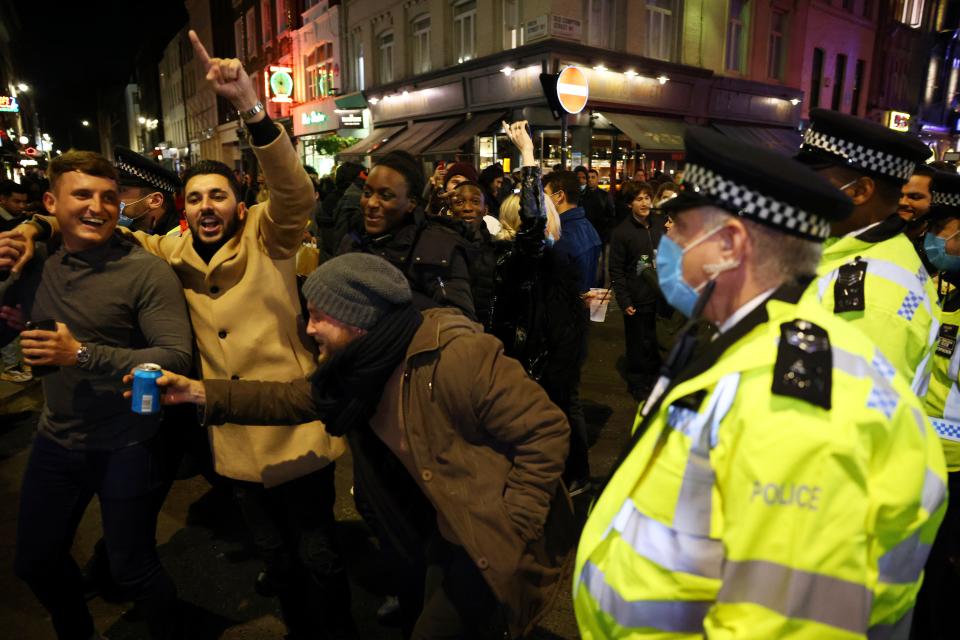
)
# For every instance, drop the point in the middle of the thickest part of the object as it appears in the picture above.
(340, 210)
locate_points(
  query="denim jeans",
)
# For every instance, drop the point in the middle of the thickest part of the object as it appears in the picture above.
(58, 484)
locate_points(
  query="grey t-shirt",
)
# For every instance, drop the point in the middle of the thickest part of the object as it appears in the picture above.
(127, 307)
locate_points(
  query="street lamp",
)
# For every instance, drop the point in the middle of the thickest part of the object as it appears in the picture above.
(23, 86)
(142, 120)
(24, 139)
(85, 123)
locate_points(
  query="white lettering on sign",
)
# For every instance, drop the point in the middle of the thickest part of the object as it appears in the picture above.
(564, 27)
(535, 29)
(786, 494)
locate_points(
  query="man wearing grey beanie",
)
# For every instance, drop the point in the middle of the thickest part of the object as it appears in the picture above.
(458, 452)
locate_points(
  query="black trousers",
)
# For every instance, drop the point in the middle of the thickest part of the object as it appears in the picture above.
(293, 529)
(450, 599)
(643, 358)
(935, 615)
(58, 484)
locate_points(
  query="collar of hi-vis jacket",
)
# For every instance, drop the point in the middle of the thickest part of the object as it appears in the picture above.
(789, 293)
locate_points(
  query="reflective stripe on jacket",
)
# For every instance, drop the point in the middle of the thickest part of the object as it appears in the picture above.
(900, 312)
(942, 401)
(742, 513)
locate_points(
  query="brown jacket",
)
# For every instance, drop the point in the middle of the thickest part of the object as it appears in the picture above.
(246, 317)
(490, 448)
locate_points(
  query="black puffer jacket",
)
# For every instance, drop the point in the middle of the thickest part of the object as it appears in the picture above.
(331, 229)
(433, 256)
(528, 295)
(633, 248)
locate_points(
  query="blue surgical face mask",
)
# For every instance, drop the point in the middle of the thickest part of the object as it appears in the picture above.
(936, 248)
(550, 240)
(124, 221)
(676, 290)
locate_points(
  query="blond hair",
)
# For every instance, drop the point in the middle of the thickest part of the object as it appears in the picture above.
(509, 217)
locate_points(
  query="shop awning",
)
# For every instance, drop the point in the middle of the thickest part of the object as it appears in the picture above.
(351, 101)
(372, 142)
(650, 133)
(476, 125)
(778, 139)
(418, 136)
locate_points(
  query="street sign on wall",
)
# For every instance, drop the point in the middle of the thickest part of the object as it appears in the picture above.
(572, 89)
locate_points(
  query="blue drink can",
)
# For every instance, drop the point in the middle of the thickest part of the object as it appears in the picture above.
(146, 393)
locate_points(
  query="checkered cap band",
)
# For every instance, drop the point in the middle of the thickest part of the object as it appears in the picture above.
(945, 199)
(860, 156)
(152, 179)
(754, 204)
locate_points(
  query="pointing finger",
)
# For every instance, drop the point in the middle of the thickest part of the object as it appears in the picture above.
(198, 48)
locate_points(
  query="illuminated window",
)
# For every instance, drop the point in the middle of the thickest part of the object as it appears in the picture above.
(661, 28)
(465, 31)
(910, 12)
(282, 23)
(512, 24)
(238, 38)
(776, 51)
(598, 23)
(266, 22)
(385, 58)
(737, 37)
(251, 32)
(421, 44)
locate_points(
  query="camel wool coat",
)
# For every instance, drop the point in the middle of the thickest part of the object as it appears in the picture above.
(246, 316)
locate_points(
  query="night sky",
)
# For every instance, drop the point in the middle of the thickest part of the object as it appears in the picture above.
(68, 52)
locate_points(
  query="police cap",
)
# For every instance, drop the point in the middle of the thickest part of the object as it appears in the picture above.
(757, 184)
(134, 170)
(839, 140)
(944, 195)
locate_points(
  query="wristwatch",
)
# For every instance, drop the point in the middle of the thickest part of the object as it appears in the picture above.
(252, 111)
(83, 354)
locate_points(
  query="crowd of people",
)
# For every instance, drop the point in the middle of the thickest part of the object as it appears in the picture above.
(790, 330)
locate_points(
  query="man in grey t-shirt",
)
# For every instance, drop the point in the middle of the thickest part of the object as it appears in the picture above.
(115, 306)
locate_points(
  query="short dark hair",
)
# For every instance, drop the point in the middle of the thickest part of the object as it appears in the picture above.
(88, 162)
(473, 185)
(9, 187)
(666, 186)
(207, 167)
(633, 188)
(406, 165)
(592, 170)
(566, 181)
(580, 169)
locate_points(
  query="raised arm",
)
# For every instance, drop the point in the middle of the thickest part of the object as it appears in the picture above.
(286, 214)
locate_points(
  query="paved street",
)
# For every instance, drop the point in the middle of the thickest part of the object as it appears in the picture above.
(201, 537)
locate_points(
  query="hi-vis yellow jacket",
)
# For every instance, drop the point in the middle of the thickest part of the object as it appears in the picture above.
(895, 305)
(787, 485)
(942, 401)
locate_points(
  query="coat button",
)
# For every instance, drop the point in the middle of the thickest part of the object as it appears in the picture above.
(427, 475)
(222, 333)
(482, 563)
(234, 377)
(214, 289)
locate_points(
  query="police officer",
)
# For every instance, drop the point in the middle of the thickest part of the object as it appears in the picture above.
(870, 274)
(775, 475)
(935, 616)
(146, 193)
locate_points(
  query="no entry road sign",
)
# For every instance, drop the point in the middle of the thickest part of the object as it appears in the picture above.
(572, 89)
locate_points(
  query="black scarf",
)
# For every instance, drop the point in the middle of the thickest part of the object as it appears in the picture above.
(347, 388)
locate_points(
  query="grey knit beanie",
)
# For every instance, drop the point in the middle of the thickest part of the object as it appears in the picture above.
(356, 288)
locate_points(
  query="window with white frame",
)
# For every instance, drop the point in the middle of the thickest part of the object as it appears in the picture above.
(910, 12)
(661, 29)
(251, 19)
(385, 58)
(266, 22)
(776, 46)
(599, 20)
(238, 38)
(736, 37)
(282, 22)
(512, 24)
(465, 31)
(319, 71)
(420, 30)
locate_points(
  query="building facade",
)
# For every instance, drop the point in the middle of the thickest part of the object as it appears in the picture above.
(439, 75)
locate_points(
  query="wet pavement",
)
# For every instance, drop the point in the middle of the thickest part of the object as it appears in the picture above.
(203, 545)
